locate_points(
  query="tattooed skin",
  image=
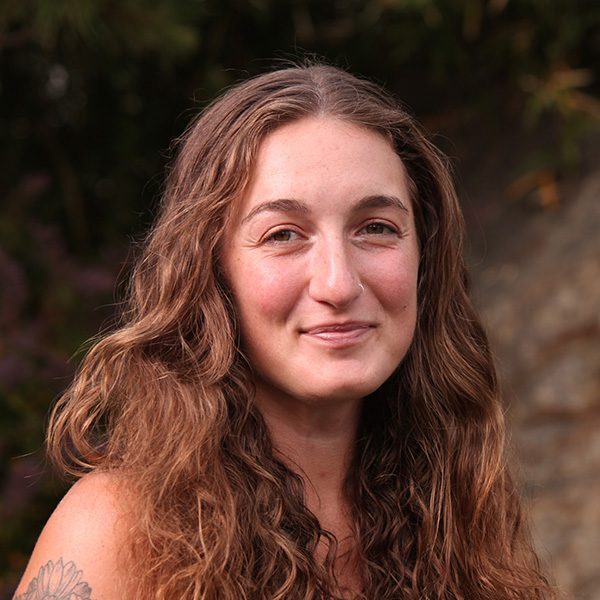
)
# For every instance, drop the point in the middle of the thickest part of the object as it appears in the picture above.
(56, 581)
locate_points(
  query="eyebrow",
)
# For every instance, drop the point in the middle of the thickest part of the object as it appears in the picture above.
(291, 205)
(281, 205)
(381, 201)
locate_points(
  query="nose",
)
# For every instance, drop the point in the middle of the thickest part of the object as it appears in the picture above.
(333, 278)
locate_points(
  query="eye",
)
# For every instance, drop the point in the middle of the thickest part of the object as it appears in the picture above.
(281, 235)
(379, 228)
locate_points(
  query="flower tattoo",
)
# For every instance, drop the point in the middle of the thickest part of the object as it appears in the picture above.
(56, 581)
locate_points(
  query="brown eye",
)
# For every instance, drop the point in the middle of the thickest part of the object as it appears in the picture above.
(378, 228)
(282, 235)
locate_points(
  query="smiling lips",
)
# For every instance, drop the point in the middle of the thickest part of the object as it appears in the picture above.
(339, 334)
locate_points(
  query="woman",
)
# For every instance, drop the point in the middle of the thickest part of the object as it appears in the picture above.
(300, 401)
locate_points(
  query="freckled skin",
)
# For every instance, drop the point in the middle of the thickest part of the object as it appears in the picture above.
(327, 257)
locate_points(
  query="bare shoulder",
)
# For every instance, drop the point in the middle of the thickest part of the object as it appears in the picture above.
(78, 552)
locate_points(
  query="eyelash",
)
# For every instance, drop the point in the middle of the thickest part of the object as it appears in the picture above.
(271, 238)
(390, 228)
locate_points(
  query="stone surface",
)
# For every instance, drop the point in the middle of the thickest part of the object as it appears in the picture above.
(536, 281)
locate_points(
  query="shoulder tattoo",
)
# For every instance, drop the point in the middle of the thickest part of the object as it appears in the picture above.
(58, 582)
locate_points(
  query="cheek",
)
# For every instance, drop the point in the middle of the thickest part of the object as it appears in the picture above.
(265, 292)
(395, 283)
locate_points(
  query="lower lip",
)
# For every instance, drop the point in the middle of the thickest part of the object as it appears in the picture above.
(340, 339)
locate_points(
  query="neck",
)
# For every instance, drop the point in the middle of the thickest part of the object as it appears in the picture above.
(316, 440)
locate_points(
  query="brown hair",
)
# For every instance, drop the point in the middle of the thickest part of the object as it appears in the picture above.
(167, 398)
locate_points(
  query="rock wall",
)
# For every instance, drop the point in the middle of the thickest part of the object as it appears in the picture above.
(536, 281)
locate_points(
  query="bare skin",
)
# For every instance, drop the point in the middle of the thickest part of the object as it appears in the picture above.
(57, 580)
(322, 259)
(77, 554)
(318, 444)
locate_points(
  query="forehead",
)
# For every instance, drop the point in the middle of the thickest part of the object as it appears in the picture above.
(322, 158)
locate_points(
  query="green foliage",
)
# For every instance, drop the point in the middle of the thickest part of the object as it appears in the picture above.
(92, 92)
(135, 26)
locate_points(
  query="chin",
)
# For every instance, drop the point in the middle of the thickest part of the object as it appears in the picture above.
(336, 392)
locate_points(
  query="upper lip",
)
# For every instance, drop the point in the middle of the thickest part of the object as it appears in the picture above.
(336, 326)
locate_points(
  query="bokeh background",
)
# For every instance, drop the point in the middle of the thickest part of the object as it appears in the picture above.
(92, 93)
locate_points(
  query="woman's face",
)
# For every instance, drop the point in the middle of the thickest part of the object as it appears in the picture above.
(322, 258)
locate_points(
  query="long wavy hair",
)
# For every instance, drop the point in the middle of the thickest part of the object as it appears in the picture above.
(166, 399)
